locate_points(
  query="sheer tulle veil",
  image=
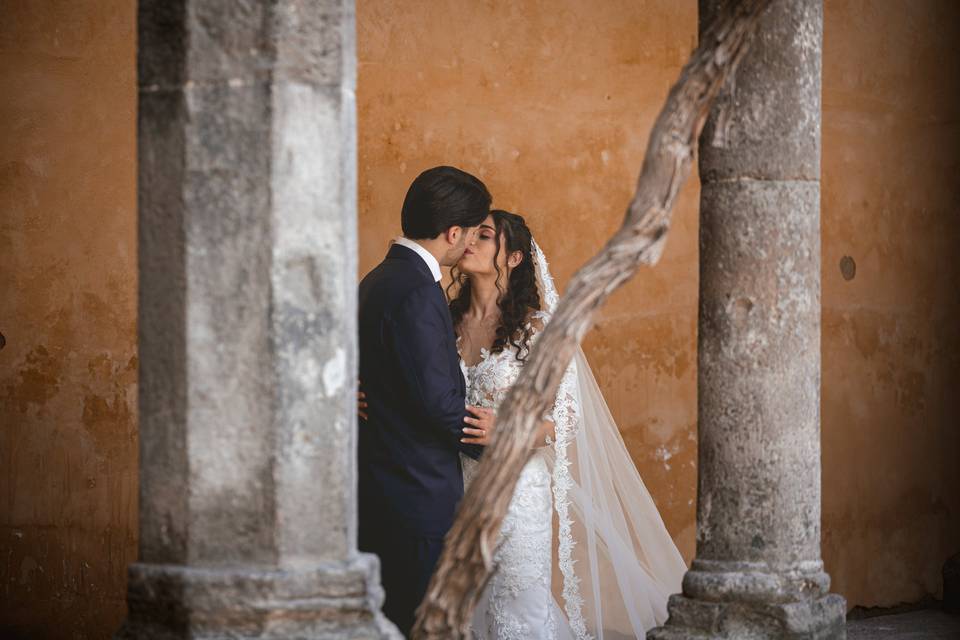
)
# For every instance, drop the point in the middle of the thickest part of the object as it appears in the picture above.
(615, 564)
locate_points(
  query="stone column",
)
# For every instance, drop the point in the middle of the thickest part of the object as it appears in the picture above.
(247, 312)
(758, 571)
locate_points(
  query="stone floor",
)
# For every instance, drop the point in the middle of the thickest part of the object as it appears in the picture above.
(928, 624)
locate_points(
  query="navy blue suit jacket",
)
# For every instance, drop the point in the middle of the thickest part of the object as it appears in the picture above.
(408, 452)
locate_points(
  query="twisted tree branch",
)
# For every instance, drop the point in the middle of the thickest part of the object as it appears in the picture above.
(466, 563)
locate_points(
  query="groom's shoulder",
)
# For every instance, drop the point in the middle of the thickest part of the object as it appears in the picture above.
(393, 283)
(392, 274)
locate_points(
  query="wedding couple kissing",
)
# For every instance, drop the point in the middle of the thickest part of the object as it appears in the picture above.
(582, 552)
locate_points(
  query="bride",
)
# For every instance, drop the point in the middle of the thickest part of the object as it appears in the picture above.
(582, 552)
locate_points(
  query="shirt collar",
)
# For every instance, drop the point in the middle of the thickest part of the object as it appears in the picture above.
(431, 261)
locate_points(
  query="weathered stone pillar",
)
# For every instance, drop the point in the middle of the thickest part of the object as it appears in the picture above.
(758, 571)
(247, 263)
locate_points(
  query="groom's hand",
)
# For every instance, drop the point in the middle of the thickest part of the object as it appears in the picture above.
(361, 402)
(482, 426)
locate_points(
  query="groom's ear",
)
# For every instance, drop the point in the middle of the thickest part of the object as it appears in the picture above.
(454, 234)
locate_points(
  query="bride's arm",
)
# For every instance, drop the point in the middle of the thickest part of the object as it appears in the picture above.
(546, 434)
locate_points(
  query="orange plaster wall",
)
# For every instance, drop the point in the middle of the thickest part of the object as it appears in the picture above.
(550, 104)
(68, 447)
(891, 335)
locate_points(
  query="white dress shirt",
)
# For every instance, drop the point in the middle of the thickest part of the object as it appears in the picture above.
(428, 257)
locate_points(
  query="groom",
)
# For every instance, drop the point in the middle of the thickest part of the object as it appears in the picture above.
(409, 473)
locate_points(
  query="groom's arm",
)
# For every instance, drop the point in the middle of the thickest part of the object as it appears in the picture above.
(421, 339)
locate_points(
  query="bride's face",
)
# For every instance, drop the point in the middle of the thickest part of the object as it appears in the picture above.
(479, 255)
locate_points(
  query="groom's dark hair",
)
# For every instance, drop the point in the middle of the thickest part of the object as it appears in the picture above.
(441, 198)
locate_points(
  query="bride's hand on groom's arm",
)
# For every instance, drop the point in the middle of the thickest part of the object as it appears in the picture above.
(481, 428)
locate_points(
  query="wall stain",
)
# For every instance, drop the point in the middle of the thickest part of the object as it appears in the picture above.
(37, 379)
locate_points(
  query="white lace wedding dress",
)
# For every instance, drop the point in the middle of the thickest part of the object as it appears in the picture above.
(582, 553)
(517, 603)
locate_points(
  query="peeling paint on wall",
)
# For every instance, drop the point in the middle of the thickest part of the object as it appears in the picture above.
(68, 371)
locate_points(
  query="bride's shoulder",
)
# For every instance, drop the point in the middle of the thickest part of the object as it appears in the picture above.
(536, 320)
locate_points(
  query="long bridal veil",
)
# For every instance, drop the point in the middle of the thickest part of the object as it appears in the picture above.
(615, 564)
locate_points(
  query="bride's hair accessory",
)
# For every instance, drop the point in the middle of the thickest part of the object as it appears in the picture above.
(548, 290)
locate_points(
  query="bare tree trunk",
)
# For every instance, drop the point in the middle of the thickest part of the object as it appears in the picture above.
(466, 563)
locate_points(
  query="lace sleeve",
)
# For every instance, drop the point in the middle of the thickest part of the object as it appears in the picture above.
(563, 412)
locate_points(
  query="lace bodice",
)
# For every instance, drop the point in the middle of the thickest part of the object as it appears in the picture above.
(489, 381)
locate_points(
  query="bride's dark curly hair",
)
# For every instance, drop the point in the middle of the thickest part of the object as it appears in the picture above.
(516, 300)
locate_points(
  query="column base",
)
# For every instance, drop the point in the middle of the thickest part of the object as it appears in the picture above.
(822, 618)
(336, 600)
